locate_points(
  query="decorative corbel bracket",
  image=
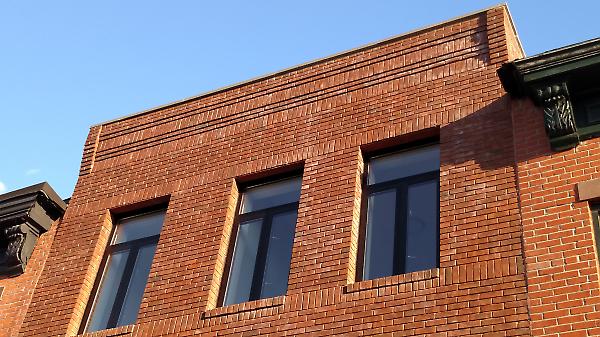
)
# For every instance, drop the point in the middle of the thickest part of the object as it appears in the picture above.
(559, 120)
(25, 215)
(18, 241)
(545, 77)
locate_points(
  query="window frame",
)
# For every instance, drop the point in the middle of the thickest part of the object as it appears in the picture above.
(134, 246)
(400, 222)
(580, 100)
(595, 211)
(267, 216)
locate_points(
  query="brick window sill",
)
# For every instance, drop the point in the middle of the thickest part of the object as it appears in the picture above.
(239, 308)
(125, 330)
(393, 280)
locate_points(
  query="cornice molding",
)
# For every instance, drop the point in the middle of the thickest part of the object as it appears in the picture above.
(25, 214)
(572, 56)
(547, 79)
(516, 75)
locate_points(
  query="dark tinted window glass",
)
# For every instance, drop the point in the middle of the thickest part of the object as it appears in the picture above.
(244, 261)
(139, 227)
(106, 294)
(381, 228)
(404, 164)
(422, 227)
(125, 275)
(279, 254)
(271, 195)
(402, 233)
(596, 221)
(262, 253)
(586, 109)
(592, 109)
(139, 278)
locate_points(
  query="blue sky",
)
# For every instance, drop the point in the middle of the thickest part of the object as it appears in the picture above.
(66, 65)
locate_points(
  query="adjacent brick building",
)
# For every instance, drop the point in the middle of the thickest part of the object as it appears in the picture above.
(558, 184)
(513, 247)
(28, 220)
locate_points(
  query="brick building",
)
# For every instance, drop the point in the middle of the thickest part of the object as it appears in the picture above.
(28, 220)
(559, 190)
(306, 202)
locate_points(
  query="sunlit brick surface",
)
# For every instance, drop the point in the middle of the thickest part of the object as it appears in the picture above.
(439, 80)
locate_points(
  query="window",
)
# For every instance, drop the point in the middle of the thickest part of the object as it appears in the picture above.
(265, 228)
(596, 223)
(402, 213)
(587, 109)
(125, 270)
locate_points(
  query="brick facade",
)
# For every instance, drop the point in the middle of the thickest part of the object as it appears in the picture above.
(326, 116)
(562, 265)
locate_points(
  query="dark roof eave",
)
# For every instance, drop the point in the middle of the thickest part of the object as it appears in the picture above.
(50, 199)
(516, 75)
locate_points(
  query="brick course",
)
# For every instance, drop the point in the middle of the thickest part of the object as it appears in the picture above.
(441, 80)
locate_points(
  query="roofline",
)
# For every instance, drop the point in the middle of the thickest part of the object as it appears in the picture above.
(514, 28)
(314, 62)
(42, 187)
(582, 48)
(518, 75)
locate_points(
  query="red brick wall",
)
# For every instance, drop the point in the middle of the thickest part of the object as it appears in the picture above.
(561, 264)
(439, 80)
(18, 291)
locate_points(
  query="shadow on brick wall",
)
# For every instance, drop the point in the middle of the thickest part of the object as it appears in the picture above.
(484, 137)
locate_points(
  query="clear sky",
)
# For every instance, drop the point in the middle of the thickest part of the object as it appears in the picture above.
(66, 65)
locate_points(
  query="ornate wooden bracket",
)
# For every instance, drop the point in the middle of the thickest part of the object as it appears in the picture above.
(559, 120)
(545, 78)
(25, 215)
(558, 110)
